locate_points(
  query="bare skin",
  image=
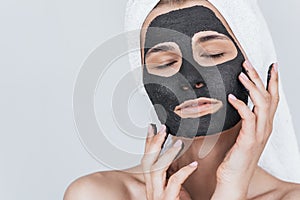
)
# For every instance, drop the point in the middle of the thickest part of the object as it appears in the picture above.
(128, 184)
(221, 174)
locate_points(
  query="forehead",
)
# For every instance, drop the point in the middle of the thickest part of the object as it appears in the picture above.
(167, 8)
(187, 21)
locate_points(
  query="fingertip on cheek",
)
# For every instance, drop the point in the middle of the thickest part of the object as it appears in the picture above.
(248, 65)
(243, 76)
(163, 128)
(232, 97)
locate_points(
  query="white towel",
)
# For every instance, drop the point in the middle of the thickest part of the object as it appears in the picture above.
(281, 155)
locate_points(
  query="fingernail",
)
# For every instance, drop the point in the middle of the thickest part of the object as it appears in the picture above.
(244, 76)
(269, 75)
(178, 143)
(194, 164)
(231, 96)
(154, 128)
(276, 67)
(162, 129)
(269, 70)
(248, 64)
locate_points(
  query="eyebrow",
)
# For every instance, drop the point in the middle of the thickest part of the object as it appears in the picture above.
(212, 37)
(161, 48)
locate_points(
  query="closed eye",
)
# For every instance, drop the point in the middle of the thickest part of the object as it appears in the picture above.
(213, 55)
(166, 65)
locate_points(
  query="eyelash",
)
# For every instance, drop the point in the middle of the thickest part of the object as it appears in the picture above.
(207, 56)
(166, 65)
(213, 56)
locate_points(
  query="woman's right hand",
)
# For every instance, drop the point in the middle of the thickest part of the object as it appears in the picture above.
(155, 169)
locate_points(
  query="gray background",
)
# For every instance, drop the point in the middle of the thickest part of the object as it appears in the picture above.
(42, 46)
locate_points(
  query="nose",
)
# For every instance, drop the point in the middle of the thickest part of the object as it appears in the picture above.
(197, 85)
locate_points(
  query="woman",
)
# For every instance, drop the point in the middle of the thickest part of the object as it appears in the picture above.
(172, 63)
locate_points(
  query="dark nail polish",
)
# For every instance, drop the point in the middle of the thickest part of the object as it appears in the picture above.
(154, 128)
(269, 75)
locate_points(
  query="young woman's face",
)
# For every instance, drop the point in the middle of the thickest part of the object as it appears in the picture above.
(191, 64)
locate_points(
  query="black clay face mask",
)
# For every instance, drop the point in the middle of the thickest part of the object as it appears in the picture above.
(193, 100)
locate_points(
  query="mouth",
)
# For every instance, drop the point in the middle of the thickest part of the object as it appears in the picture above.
(195, 108)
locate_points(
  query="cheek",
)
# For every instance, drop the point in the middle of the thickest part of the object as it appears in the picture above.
(232, 83)
(162, 95)
(230, 76)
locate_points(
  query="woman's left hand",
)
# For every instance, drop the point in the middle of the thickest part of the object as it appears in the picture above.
(235, 172)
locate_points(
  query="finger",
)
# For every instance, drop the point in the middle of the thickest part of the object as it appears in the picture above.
(159, 169)
(168, 157)
(273, 89)
(145, 164)
(269, 76)
(150, 135)
(148, 183)
(259, 100)
(176, 180)
(150, 156)
(248, 118)
(254, 76)
(262, 102)
(154, 147)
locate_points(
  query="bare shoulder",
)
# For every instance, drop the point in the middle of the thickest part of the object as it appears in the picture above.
(266, 186)
(103, 185)
(96, 185)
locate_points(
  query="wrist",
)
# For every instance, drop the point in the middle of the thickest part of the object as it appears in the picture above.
(232, 193)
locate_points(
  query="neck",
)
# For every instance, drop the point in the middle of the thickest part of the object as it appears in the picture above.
(209, 151)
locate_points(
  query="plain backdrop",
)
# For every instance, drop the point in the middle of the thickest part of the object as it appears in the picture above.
(42, 46)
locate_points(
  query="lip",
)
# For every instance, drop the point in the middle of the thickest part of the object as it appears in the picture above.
(195, 108)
